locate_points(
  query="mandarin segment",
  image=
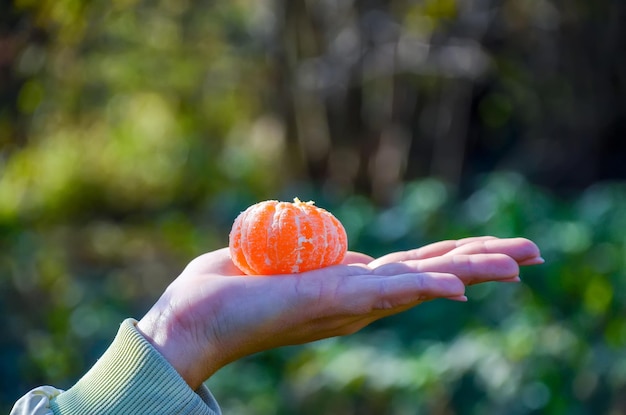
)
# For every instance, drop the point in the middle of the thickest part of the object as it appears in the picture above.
(273, 237)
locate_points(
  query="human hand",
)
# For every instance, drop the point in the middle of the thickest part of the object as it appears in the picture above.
(212, 315)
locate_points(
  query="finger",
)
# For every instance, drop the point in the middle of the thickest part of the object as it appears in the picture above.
(356, 323)
(533, 261)
(344, 291)
(356, 258)
(443, 247)
(471, 269)
(520, 249)
(406, 290)
(218, 261)
(428, 251)
(460, 298)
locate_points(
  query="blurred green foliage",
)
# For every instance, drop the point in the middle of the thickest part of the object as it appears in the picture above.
(133, 132)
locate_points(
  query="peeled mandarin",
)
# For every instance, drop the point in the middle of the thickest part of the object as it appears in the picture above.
(273, 237)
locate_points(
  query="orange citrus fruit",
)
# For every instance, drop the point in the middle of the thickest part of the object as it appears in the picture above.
(273, 237)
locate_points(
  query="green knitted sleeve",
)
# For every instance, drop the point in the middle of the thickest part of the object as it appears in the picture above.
(133, 378)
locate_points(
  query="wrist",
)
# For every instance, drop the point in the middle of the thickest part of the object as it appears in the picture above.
(170, 340)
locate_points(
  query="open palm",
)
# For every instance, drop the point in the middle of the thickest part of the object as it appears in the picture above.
(212, 314)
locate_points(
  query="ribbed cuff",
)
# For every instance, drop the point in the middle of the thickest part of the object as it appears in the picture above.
(132, 377)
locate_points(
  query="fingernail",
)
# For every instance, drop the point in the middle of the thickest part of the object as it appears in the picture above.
(461, 298)
(533, 261)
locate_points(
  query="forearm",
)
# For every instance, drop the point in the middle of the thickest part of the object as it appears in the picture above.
(131, 377)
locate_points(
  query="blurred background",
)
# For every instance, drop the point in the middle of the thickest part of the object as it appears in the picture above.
(132, 132)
